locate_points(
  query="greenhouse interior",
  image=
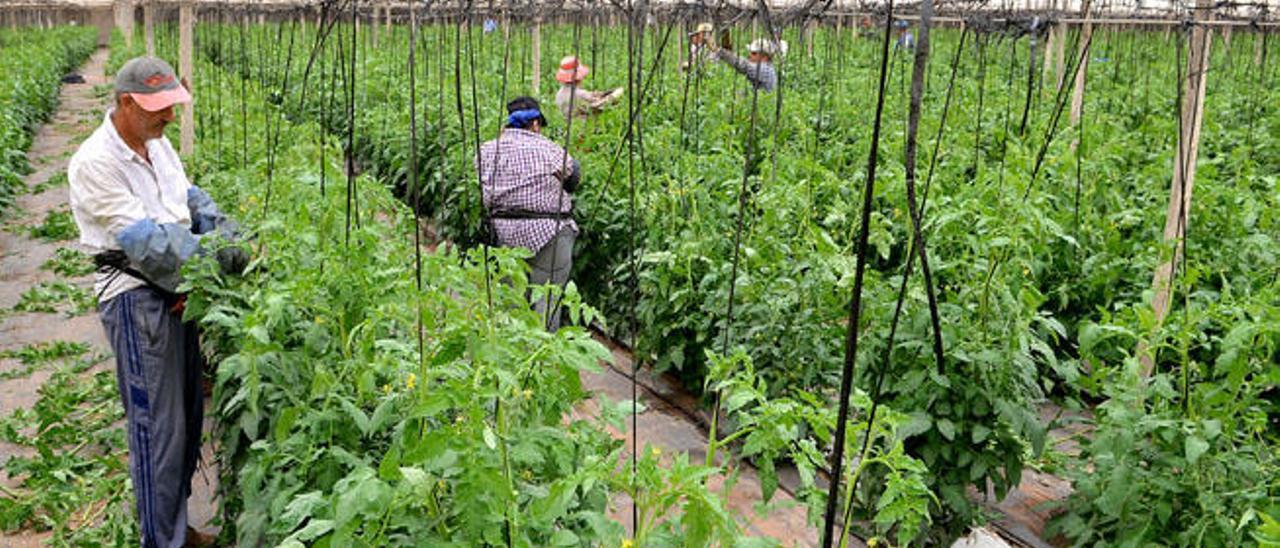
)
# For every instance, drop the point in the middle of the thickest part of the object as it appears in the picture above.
(633, 273)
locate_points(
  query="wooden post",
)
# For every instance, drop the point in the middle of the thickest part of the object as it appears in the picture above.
(124, 20)
(535, 65)
(149, 25)
(1060, 52)
(809, 34)
(1257, 48)
(186, 23)
(1184, 173)
(387, 17)
(1050, 41)
(1077, 96)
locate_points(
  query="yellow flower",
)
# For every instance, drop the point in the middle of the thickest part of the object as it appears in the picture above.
(1026, 271)
(386, 389)
(873, 542)
(411, 381)
(655, 451)
(628, 543)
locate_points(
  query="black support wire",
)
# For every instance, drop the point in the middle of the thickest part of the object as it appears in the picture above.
(917, 246)
(1253, 102)
(553, 306)
(855, 302)
(980, 41)
(743, 209)
(1080, 143)
(1060, 103)
(917, 91)
(1008, 104)
(415, 190)
(1179, 246)
(1031, 78)
(462, 122)
(273, 136)
(244, 113)
(635, 66)
(353, 199)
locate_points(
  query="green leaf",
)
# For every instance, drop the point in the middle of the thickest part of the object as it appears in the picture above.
(564, 537)
(490, 439)
(947, 429)
(980, 433)
(1195, 447)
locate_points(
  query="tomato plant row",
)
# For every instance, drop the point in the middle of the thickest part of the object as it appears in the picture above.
(1043, 267)
(32, 64)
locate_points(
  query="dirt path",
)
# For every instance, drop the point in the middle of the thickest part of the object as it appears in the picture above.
(81, 110)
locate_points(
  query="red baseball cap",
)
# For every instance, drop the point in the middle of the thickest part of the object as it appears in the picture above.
(151, 83)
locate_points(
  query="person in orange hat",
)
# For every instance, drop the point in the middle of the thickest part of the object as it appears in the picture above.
(572, 99)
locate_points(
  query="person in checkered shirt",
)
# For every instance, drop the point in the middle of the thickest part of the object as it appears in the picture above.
(528, 182)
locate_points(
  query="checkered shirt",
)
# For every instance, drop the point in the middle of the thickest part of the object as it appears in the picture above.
(522, 170)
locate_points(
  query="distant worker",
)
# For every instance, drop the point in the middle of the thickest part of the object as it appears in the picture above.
(490, 25)
(571, 95)
(143, 219)
(906, 40)
(527, 183)
(699, 47)
(758, 66)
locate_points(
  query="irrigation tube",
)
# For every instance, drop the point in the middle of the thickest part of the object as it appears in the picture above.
(855, 302)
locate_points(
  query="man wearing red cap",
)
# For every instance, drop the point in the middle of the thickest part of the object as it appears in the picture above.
(142, 219)
(572, 98)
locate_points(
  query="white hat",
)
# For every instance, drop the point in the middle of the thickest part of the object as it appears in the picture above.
(702, 27)
(768, 47)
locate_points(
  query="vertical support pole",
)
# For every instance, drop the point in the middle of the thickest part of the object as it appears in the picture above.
(374, 27)
(186, 24)
(809, 33)
(1059, 54)
(387, 17)
(1184, 172)
(149, 25)
(1077, 96)
(1050, 43)
(536, 65)
(1257, 48)
(129, 11)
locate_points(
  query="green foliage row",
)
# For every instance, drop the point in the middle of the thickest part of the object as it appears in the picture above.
(335, 429)
(1028, 271)
(32, 63)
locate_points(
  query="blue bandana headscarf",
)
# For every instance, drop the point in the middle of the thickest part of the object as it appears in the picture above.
(521, 118)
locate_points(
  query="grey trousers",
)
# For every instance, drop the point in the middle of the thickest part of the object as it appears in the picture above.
(551, 265)
(158, 369)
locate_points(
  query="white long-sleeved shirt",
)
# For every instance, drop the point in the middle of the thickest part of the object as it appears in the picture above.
(112, 187)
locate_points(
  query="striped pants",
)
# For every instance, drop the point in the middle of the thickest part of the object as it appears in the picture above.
(158, 369)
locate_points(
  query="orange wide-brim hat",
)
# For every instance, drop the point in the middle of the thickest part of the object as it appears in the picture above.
(571, 70)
